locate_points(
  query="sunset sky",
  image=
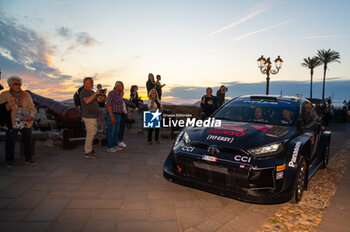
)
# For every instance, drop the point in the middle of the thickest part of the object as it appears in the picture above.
(53, 45)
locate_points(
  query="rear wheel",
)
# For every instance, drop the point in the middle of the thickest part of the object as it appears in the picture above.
(326, 156)
(299, 184)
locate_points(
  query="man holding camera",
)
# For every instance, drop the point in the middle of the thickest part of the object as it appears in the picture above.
(208, 104)
(90, 109)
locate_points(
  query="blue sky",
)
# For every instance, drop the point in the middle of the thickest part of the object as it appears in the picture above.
(54, 44)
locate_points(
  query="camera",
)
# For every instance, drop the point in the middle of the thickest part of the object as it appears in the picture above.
(102, 91)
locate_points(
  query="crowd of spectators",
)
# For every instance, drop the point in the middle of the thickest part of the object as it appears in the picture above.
(329, 113)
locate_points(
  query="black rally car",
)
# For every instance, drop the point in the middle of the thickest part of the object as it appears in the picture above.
(265, 151)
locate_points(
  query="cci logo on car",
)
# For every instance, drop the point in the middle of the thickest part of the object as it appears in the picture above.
(212, 150)
(187, 148)
(244, 159)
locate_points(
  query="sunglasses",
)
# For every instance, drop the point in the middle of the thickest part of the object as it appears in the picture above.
(18, 84)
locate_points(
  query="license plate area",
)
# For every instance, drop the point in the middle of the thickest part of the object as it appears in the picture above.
(211, 168)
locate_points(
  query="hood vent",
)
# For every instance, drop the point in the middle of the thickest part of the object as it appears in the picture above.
(277, 131)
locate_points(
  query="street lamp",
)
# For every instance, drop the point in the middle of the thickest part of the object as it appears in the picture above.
(265, 68)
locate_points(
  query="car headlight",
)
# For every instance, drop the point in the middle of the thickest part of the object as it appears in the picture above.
(181, 139)
(186, 138)
(178, 138)
(266, 150)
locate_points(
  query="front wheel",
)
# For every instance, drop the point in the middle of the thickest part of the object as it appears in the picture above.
(299, 183)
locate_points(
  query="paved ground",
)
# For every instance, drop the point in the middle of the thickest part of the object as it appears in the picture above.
(338, 213)
(118, 192)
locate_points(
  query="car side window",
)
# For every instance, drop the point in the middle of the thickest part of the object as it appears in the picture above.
(308, 113)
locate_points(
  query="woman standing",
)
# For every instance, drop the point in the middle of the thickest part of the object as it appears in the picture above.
(22, 109)
(150, 84)
(154, 105)
(220, 95)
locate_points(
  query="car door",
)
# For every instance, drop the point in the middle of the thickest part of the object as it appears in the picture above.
(312, 126)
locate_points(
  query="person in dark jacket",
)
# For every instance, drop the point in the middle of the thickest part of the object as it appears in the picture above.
(150, 84)
(208, 103)
(159, 86)
(220, 95)
(5, 115)
(134, 95)
(101, 118)
(154, 104)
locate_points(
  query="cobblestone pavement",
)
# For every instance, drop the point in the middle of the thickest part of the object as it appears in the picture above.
(116, 192)
(122, 192)
(307, 215)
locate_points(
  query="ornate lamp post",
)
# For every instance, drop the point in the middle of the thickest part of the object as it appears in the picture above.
(265, 68)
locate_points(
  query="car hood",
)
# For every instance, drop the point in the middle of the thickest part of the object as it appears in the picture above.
(242, 135)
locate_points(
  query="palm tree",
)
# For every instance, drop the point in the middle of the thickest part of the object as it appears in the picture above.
(327, 56)
(311, 63)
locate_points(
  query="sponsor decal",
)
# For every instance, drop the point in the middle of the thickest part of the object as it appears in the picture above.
(151, 119)
(281, 168)
(261, 101)
(220, 138)
(213, 150)
(179, 169)
(187, 148)
(235, 127)
(244, 159)
(279, 175)
(225, 132)
(293, 161)
(209, 158)
(264, 128)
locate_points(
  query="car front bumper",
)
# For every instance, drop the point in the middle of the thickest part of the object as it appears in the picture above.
(255, 192)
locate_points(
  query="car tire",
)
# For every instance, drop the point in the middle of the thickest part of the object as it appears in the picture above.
(300, 180)
(326, 156)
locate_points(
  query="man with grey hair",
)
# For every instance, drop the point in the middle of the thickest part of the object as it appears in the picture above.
(89, 103)
(22, 109)
(115, 109)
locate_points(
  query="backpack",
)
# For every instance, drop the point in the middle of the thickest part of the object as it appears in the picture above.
(76, 97)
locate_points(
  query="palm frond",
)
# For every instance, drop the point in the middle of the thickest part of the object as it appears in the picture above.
(311, 63)
(328, 56)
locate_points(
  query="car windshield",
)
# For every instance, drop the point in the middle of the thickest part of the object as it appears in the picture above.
(276, 113)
